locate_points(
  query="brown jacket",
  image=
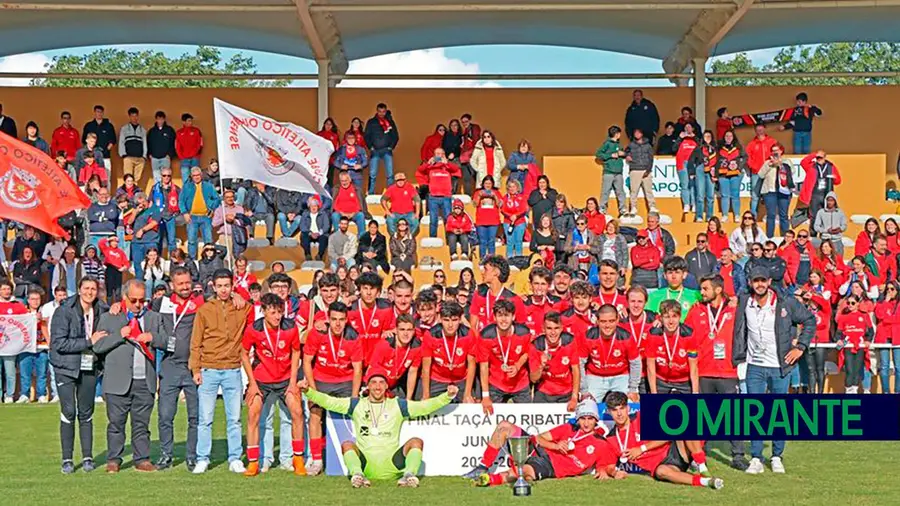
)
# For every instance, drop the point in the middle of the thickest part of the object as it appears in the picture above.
(216, 338)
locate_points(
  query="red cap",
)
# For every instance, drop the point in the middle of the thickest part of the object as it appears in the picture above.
(643, 233)
(374, 371)
(458, 203)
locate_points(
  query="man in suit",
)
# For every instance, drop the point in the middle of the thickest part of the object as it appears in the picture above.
(129, 375)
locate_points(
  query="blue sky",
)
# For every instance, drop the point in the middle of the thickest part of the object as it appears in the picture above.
(457, 60)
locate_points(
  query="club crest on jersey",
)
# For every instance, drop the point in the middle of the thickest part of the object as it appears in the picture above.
(342, 353)
(565, 361)
(281, 345)
(374, 322)
(459, 352)
(617, 353)
(519, 349)
(589, 450)
(407, 363)
(726, 317)
(682, 353)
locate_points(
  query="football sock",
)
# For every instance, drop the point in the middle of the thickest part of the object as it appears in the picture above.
(700, 481)
(253, 453)
(351, 459)
(298, 446)
(315, 448)
(497, 479)
(413, 461)
(490, 455)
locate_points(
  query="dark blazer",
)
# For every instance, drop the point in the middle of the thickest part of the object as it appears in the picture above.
(67, 338)
(789, 313)
(118, 354)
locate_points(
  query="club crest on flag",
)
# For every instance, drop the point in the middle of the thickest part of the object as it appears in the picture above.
(17, 189)
(273, 157)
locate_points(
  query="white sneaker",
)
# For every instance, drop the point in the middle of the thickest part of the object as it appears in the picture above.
(756, 466)
(200, 467)
(454, 257)
(654, 209)
(686, 209)
(54, 400)
(265, 467)
(724, 219)
(8, 400)
(409, 480)
(777, 465)
(287, 465)
(693, 208)
(358, 481)
(98, 399)
(314, 468)
(42, 399)
(22, 400)
(236, 466)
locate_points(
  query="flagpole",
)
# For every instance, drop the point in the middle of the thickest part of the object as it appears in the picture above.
(230, 254)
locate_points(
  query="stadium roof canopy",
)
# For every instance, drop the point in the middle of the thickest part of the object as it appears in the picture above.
(338, 30)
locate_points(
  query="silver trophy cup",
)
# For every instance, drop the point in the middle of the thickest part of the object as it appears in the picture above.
(518, 450)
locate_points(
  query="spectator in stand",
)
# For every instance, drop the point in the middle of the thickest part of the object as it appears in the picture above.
(103, 217)
(610, 244)
(716, 237)
(224, 216)
(259, 205)
(188, 144)
(68, 272)
(403, 248)
(777, 189)
(745, 235)
(212, 176)
(160, 146)
(488, 158)
(400, 202)
(128, 189)
(116, 262)
(822, 177)
(290, 208)
(801, 122)
(92, 265)
(91, 168)
(866, 238)
(799, 258)
(487, 216)
(342, 247)
(544, 239)
(641, 115)
(759, 153)
(514, 208)
(471, 134)
(519, 162)
(667, 144)
(890, 233)
(210, 261)
(731, 163)
(734, 276)
(330, 131)
(90, 146)
(352, 158)
(133, 144)
(611, 157)
(700, 261)
(382, 138)
(373, 248)
(563, 221)
(165, 195)
(580, 246)
(8, 125)
(881, 264)
(542, 199)
(34, 364)
(346, 203)
(437, 174)
(687, 143)
(156, 272)
(645, 262)
(704, 161)
(180, 259)
(687, 118)
(66, 138)
(358, 129)
(146, 230)
(104, 132)
(432, 142)
(53, 253)
(26, 272)
(775, 265)
(315, 226)
(33, 137)
(596, 219)
(458, 226)
(29, 237)
(452, 143)
(831, 223)
(723, 123)
(639, 155)
(660, 237)
(886, 312)
(197, 202)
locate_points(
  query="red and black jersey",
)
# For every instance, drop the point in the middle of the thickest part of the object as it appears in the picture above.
(449, 355)
(800, 118)
(618, 299)
(577, 323)
(423, 328)
(390, 356)
(710, 155)
(672, 353)
(640, 333)
(333, 356)
(726, 155)
(272, 349)
(500, 352)
(622, 439)
(370, 323)
(535, 311)
(483, 305)
(608, 356)
(713, 335)
(557, 378)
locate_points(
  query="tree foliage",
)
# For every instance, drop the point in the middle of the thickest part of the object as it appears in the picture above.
(203, 61)
(833, 57)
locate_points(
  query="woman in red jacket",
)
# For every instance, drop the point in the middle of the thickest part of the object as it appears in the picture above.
(357, 127)
(716, 238)
(487, 216)
(892, 234)
(854, 332)
(432, 142)
(819, 305)
(866, 237)
(514, 207)
(887, 312)
(596, 221)
(458, 227)
(832, 267)
(645, 261)
(330, 131)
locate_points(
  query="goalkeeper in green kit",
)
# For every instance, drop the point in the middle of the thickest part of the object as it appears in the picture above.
(377, 453)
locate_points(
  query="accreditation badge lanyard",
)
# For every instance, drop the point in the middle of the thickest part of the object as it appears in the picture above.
(278, 339)
(334, 354)
(670, 352)
(87, 358)
(578, 437)
(176, 319)
(504, 355)
(362, 319)
(713, 319)
(623, 445)
(639, 337)
(451, 356)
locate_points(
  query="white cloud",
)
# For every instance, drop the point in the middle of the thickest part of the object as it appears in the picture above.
(31, 62)
(422, 61)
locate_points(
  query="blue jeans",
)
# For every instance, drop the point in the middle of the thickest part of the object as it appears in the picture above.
(687, 184)
(167, 235)
(288, 229)
(514, 240)
(186, 165)
(356, 177)
(267, 434)
(800, 374)
(777, 203)
(487, 240)
(706, 193)
(199, 226)
(884, 369)
(598, 386)
(387, 156)
(9, 375)
(52, 380)
(761, 380)
(357, 218)
(157, 165)
(232, 389)
(138, 252)
(33, 363)
(437, 206)
(730, 188)
(754, 195)
(391, 222)
(802, 142)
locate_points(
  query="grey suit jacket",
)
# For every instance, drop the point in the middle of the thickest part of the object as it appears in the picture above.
(117, 354)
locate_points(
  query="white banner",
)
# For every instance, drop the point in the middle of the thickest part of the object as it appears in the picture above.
(456, 436)
(666, 184)
(18, 334)
(282, 155)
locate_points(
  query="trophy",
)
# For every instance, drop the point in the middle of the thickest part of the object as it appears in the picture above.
(518, 450)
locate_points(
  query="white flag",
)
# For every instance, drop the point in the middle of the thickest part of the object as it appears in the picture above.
(281, 155)
(18, 334)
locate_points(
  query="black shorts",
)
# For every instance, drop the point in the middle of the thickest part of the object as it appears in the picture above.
(273, 391)
(437, 388)
(342, 389)
(664, 387)
(540, 463)
(541, 397)
(644, 386)
(674, 458)
(521, 397)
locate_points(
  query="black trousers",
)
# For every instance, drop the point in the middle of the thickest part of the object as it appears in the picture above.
(853, 367)
(171, 384)
(469, 175)
(815, 359)
(76, 400)
(724, 386)
(306, 242)
(138, 402)
(816, 202)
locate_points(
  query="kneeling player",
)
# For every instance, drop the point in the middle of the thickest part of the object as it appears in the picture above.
(377, 454)
(571, 449)
(664, 460)
(275, 343)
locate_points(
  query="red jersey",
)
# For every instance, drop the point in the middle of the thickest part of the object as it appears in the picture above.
(671, 354)
(487, 207)
(12, 307)
(534, 312)
(401, 199)
(396, 359)
(333, 356)
(888, 315)
(461, 222)
(514, 205)
(483, 305)
(438, 177)
(617, 299)
(854, 329)
(557, 378)
(622, 439)
(499, 351)
(303, 310)
(640, 332)
(608, 356)
(272, 349)
(370, 323)
(577, 323)
(65, 139)
(727, 273)
(423, 328)
(716, 242)
(590, 450)
(449, 355)
(821, 309)
(346, 201)
(685, 148)
(713, 335)
(188, 142)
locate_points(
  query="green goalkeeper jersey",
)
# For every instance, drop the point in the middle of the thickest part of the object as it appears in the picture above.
(686, 297)
(377, 426)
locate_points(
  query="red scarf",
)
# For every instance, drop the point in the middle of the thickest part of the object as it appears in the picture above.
(350, 150)
(385, 124)
(134, 325)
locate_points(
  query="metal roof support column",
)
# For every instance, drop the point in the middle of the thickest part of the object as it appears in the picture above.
(322, 104)
(700, 90)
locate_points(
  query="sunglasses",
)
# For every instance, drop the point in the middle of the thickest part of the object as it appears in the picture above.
(748, 218)
(439, 276)
(852, 303)
(755, 249)
(769, 250)
(803, 236)
(701, 241)
(135, 301)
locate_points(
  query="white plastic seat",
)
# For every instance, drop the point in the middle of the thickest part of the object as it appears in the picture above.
(860, 219)
(304, 289)
(286, 242)
(373, 200)
(884, 217)
(289, 265)
(257, 243)
(631, 220)
(311, 266)
(431, 242)
(458, 265)
(256, 265)
(465, 199)
(665, 219)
